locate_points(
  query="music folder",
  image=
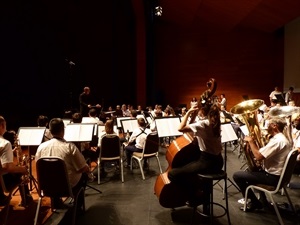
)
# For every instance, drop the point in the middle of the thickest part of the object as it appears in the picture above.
(31, 136)
(168, 126)
(79, 132)
(129, 125)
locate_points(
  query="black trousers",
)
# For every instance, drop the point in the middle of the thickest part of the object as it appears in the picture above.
(245, 178)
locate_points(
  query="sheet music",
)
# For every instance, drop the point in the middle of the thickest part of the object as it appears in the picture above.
(245, 130)
(227, 133)
(31, 136)
(129, 125)
(79, 132)
(168, 126)
(119, 125)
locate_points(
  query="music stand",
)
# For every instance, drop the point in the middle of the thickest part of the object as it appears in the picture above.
(227, 135)
(81, 132)
(31, 136)
(168, 126)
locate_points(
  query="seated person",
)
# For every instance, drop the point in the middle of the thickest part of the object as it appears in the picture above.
(42, 121)
(296, 139)
(92, 118)
(137, 140)
(75, 163)
(12, 174)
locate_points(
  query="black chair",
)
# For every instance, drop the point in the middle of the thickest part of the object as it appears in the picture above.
(150, 150)
(53, 182)
(208, 206)
(110, 150)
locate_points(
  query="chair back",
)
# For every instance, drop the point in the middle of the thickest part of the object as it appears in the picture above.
(288, 169)
(110, 146)
(52, 177)
(151, 143)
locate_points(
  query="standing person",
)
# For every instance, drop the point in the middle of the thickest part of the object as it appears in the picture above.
(289, 95)
(273, 94)
(273, 156)
(75, 162)
(223, 101)
(208, 134)
(87, 101)
(12, 174)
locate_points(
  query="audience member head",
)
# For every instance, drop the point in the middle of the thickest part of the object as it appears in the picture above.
(42, 121)
(57, 127)
(77, 118)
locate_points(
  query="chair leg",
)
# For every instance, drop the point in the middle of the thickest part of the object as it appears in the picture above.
(158, 162)
(141, 168)
(276, 209)
(122, 170)
(289, 199)
(98, 170)
(37, 211)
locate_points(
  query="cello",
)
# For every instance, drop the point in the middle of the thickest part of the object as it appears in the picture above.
(181, 151)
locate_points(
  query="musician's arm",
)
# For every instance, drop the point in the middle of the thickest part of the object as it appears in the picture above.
(184, 127)
(12, 168)
(255, 150)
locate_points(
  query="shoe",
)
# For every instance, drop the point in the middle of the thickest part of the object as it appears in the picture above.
(253, 207)
(4, 200)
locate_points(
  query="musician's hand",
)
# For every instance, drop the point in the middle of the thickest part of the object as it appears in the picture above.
(193, 108)
(248, 138)
(89, 106)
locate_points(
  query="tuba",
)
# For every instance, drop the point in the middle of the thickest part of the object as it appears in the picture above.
(248, 110)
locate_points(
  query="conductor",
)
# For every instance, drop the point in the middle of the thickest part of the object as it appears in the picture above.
(87, 101)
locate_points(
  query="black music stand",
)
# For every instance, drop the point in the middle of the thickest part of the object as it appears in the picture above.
(81, 132)
(227, 135)
(31, 136)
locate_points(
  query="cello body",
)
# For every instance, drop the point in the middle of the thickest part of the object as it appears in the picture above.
(181, 151)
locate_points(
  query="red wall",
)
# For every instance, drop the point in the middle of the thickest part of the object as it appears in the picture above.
(243, 62)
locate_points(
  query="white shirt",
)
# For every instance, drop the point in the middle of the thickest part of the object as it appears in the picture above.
(139, 135)
(206, 140)
(6, 153)
(68, 152)
(275, 153)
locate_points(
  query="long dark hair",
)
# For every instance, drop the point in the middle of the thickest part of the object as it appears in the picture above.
(214, 120)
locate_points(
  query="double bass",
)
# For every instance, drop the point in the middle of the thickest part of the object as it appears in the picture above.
(181, 151)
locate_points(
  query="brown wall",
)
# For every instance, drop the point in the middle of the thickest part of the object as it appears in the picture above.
(243, 62)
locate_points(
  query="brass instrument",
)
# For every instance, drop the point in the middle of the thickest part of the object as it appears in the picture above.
(248, 110)
(285, 112)
(22, 160)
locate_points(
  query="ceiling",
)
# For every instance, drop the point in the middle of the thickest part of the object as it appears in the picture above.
(227, 15)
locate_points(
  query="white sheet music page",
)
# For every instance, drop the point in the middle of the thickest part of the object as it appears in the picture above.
(227, 133)
(31, 136)
(129, 125)
(79, 132)
(168, 126)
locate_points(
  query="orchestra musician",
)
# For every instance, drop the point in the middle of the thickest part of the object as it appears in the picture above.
(75, 163)
(208, 134)
(12, 174)
(273, 154)
(87, 101)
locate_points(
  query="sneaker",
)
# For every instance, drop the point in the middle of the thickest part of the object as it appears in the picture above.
(253, 206)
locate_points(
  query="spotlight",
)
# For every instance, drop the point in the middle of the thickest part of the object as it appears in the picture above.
(158, 11)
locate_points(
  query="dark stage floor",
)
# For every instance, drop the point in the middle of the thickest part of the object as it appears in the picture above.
(133, 202)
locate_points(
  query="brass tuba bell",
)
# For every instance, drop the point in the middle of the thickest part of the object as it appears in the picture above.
(248, 110)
